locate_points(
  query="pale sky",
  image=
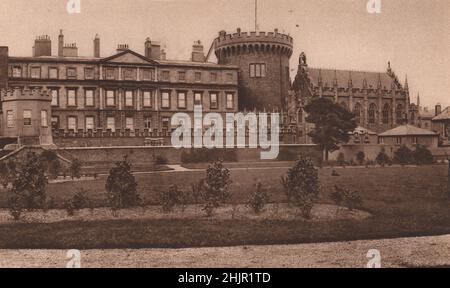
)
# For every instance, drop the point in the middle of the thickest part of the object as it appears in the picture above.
(413, 34)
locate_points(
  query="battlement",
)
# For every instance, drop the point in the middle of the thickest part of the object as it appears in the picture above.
(239, 37)
(43, 38)
(26, 94)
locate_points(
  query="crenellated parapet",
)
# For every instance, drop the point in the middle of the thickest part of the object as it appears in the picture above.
(17, 94)
(253, 42)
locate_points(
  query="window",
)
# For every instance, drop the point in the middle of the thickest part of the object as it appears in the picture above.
(72, 123)
(386, 113)
(148, 122)
(213, 77)
(89, 123)
(415, 140)
(10, 119)
(44, 120)
(129, 98)
(89, 98)
(230, 101)
(198, 76)
(230, 78)
(147, 74)
(129, 74)
(129, 123)
(165, 122)
(257, 70)
(357, 112)
(181, 76)
(55, 122)
(372, 113)
(381, 140)
(147, 99)
(89, 73)
(213, 101)
(27, 117)
(165, 100)
(71, 73)
(110, 73)
(181, 100)
(55, 97)
(198, 98)
(111, 123)
(53, 73)
(17, 72)
(71, 97)
(399, 114)
(398, 140)
(110, 98)
(165, 75)
(35, 72)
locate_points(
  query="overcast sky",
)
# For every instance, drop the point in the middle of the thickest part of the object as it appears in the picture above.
(413, 34)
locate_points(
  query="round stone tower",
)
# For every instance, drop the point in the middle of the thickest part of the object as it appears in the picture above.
(263, 59)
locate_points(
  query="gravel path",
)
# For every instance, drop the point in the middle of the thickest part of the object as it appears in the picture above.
(404, 252)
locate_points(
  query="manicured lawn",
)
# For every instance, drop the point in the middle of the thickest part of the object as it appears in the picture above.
(409, 201)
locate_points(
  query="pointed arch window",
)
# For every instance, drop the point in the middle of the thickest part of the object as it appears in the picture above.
(399, 114)
(372, 113)
(357, 111)
(386, 113)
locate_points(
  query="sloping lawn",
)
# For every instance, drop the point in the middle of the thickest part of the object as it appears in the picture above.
(409, 201)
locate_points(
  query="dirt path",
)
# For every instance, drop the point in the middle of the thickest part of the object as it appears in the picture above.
(404, 252)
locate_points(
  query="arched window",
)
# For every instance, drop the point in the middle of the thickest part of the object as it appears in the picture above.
(372, 113)
(386, 113)
(399, 114)
(357, 112)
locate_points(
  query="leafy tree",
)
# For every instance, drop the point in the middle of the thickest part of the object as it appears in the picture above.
(122, 186)
(350, 198)
(382, 158)
(75, 169)
(301, 185)
(423, 156)
(360, 157)
(333, 123)
(258, 199)
(341, 159)
(403, 155)
(214, 189)
(171, 198)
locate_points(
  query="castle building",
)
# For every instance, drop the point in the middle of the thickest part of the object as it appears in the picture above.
(123, 94)
(378, 99)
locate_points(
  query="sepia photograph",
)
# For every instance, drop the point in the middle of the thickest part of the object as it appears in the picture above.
(227, 134)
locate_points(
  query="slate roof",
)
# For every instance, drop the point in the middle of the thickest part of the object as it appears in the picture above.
(445, 115)
(408, 130)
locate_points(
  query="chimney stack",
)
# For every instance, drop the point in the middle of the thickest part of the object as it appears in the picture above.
(122, 47)
(163, 55)
(60, 43)
(70, 50)
(438, 109)
(4, 59)
(152, 50)
(198, 55)
(97, 46)
(42, 46)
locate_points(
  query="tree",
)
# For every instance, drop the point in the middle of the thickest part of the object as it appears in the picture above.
(423, 156)
(382, 158)
(360, 157)
(301, 185)
(214, 189)
(122, 186)
(333, 124)
(341, 159)
(258, 199)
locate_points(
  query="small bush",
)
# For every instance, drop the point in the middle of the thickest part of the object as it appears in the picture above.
(423, 156)
(361, 158)
(382, 158)
(301, 186)
(15, 208)
(75, 169)
(341, 159)
(403, 156)
(350, 198)
(258, 199)
(171, 198)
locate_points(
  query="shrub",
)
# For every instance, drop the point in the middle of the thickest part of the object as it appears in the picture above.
(341, 159)
(214, 189)
(121, 186)
(258, 199)
(54, 168)
(161, 160)
(350, 198)
(171, 198)
(15, 207)
(361, 158)
(75, 169)
(403, 156)
(382, 158)
(423, 156)
(80, 200)
(301, 185)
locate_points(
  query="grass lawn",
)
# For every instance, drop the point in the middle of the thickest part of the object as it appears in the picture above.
(409, 201)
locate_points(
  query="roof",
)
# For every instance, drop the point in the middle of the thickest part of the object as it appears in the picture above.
(408, 130)
(195, 64)
(343, 77)
(445, 115)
